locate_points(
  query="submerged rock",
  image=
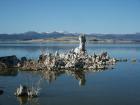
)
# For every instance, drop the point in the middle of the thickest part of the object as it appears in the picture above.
(133, 60)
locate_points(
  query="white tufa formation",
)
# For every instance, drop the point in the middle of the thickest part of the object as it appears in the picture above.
(81, 48)
(25, 91)
(77, 59)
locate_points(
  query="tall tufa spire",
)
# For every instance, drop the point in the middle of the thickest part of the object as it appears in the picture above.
(82, 40)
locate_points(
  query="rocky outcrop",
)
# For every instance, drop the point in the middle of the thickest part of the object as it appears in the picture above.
(8, 62)
(23, 60)
(77, 58)
(81, 48)
(25, 91)
(30, 64)
(2, 66)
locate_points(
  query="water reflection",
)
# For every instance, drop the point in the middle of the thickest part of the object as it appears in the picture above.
(28, 101)
(8, 72)
(51, 76)
(33, 50)
(78, 75)
(1, 92)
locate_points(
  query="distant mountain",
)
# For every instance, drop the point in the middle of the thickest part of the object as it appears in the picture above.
(31, 35)
(135, 36)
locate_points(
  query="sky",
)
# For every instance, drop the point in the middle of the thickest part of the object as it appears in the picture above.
(85, 16)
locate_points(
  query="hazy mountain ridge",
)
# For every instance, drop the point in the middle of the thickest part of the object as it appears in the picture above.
(56, 35)
(32, 35)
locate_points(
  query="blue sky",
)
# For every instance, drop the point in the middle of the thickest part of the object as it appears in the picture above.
(86, 16)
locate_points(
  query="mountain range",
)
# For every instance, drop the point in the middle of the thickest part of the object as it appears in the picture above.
(31, 35)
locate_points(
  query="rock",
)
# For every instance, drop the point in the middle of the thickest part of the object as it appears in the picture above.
(42, 58)
(23, 61)
(59, 64)
(125, 60)
(133, 60)
(81, 48)
(30, 64)
(82, 40)
(22, 91)
(25, 91)
(9, 61)
(79, 64)
(2, 66)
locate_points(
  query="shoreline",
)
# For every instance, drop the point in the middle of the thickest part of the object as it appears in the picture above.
(69, 42)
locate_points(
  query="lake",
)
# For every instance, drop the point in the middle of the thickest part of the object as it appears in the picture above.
(118, 86)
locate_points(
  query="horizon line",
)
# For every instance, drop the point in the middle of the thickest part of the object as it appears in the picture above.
(69, 32)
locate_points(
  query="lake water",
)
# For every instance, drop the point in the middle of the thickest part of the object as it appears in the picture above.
(118, 86)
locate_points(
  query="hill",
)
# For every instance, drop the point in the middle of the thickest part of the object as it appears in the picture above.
(60, 36)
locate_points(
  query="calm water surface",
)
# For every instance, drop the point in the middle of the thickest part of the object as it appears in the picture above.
(118, 86)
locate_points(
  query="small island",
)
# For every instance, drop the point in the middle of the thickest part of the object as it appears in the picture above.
(75, 59)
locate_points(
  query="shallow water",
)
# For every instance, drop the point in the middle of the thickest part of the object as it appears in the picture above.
(118, 86)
